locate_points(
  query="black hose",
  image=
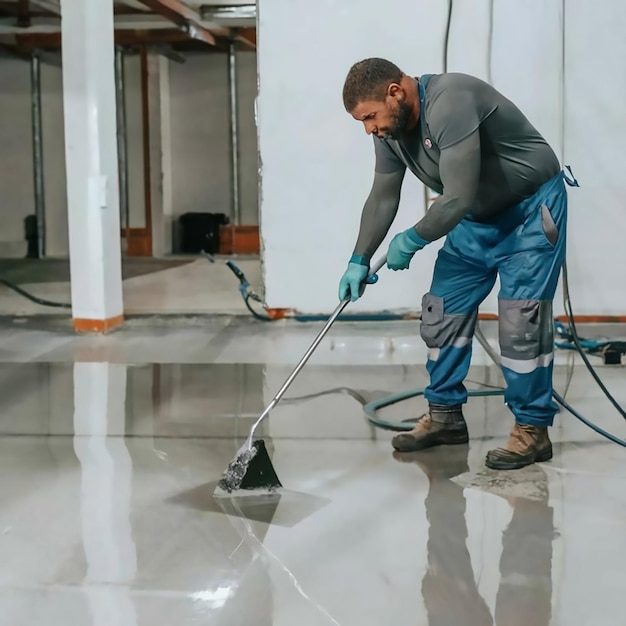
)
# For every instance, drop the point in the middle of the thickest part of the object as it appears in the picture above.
(35, 299)
(482, 340)
(576, 338)
(447, 36)
(585, 421)
(258, 316)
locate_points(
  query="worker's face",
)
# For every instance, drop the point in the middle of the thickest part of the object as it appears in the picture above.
(388, 118)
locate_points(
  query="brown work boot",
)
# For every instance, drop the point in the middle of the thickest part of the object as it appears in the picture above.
(526, 445)
(442, 425)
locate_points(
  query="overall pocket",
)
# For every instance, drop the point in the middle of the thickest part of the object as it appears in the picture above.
(432, 320)
(549, 227)
(538, 231)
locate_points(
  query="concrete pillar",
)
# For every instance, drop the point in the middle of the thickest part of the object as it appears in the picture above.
(91, 164)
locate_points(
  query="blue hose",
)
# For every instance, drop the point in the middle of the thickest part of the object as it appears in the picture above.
(371, 408)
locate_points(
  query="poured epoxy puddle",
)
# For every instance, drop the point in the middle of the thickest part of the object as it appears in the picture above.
(530, 482)
(285, 507)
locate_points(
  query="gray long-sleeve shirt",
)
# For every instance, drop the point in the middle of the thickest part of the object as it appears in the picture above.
(472, 145)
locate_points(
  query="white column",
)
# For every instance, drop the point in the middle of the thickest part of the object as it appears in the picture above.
(91, 164)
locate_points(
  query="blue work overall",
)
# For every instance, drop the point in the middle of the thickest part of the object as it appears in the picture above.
(525, 246)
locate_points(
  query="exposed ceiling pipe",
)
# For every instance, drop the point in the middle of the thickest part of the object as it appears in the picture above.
(232, 15)
(51, 38)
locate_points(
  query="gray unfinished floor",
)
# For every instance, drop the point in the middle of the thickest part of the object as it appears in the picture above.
(110, 449)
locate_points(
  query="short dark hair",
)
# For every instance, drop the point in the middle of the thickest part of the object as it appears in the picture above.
(368, 80)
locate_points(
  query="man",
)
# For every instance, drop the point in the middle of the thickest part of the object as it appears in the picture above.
(503, 210)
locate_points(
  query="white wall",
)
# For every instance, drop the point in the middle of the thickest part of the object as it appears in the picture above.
(317, 162)
(595, 105)
(200, 154)
(200, 135)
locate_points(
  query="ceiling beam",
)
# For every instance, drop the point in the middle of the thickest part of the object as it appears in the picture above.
(11, 9)
(12, 51)
(184, 17)
(124, 9)
(46, 58)
(247, 36)
(52, 8)
(30, 41)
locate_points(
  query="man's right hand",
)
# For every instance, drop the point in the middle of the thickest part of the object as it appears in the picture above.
(353, 281)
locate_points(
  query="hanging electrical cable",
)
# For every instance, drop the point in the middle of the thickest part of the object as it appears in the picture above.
(566, 290)
(579, 347)
(446, 41)
(490, 43)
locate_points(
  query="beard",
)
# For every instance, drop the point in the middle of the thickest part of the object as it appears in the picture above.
(399, 122)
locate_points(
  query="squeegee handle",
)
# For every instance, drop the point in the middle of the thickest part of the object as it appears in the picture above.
(331, 320)
(378, 265)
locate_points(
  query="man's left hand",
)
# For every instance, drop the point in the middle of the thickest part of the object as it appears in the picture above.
(402, 248)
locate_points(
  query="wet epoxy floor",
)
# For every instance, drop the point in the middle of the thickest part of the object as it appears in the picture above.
(110, 448)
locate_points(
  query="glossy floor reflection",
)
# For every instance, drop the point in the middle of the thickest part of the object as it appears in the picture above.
(108, 468)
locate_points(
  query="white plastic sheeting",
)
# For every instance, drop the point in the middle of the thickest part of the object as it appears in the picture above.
(558, 60)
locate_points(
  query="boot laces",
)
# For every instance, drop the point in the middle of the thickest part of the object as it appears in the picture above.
(525, 434)
(425, 420)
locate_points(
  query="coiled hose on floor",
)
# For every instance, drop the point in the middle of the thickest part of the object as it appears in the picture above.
(371, 408)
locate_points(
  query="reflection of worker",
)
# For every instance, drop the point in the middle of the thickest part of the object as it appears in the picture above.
(449, 588)
(525, 592)
(503, 208)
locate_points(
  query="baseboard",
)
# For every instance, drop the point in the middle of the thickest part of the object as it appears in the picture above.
(13, 249)
(97, 326)
(239, 240)
(139, 242)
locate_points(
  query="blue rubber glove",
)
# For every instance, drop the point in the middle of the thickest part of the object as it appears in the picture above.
(355, 278)
(402, 248)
